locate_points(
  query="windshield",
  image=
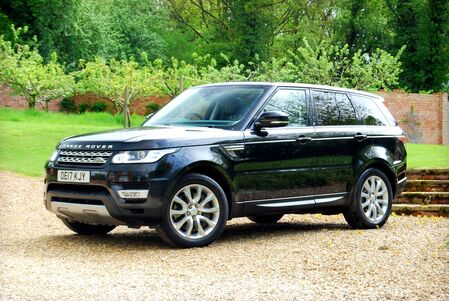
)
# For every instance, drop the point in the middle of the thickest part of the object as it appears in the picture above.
(213, 106)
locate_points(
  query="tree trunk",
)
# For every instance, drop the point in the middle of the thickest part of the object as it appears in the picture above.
(125, 109)
(31, 103)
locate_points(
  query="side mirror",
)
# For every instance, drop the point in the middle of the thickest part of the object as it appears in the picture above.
(271, 119)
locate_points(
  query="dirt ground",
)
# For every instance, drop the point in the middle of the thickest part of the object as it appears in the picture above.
(303, 257)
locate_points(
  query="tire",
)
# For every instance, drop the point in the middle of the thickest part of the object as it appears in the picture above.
(87, 229)
(193, 219)
(370, 209)
(266, 218)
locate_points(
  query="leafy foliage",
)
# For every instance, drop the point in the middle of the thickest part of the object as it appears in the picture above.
(22, 68)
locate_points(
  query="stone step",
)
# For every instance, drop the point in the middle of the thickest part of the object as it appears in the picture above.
(428, 210)
(427, 186)
(428, 174)
(423, 198)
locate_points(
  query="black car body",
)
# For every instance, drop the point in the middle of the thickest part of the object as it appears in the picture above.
(253, 162)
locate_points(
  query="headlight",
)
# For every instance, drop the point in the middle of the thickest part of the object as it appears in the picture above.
(54, 155)
(142, 156)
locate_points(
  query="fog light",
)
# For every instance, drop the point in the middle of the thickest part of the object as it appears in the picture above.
(133, 194)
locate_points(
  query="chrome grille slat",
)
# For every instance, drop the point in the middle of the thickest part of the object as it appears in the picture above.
(83, 157)
(85, 153)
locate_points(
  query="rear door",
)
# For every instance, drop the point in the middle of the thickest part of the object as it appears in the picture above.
(338, 141)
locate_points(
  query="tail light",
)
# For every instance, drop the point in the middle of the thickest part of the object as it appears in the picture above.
(403, 139)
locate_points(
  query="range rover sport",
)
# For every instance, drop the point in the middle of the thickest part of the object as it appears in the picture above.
(220, 151)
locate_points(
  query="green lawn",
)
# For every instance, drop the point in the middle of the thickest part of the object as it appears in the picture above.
(421, 156)
(27, 139)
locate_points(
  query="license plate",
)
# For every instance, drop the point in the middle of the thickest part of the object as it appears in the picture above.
(75, 176)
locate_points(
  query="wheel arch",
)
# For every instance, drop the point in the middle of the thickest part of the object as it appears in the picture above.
(383, 166)
(214, 172)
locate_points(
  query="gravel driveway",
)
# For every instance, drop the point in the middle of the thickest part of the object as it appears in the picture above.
(305, 257)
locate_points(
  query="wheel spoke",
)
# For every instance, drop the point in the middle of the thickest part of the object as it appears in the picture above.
(179, 224)
(198, 194)
(200, 227)
(370, 209)
(378, 208)
(179, 201)
(366, 203)
(189, 227)
(209, 210)
(207, 220)
(188, 194)
(382, 201)
(373, 185)
(382, 192)
(367, 187)
(378, 185)
(207, 199)
(178, 212)
(374, 211)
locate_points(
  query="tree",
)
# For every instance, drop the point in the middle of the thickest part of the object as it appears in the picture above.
(423, 26)
(121, 81)
(23, 69)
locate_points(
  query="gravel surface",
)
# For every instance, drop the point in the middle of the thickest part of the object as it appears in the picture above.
(304, 257)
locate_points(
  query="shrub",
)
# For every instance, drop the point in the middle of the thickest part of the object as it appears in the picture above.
(67, 104)
(84, 107)
(152, 107)
(99, 107)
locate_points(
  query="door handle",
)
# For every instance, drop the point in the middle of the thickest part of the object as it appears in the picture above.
(360, 137)
(303, 139)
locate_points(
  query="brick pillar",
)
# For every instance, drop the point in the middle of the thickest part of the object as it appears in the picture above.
(444, 116)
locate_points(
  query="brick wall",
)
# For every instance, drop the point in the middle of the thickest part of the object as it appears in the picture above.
(18, 102)
(423, 117)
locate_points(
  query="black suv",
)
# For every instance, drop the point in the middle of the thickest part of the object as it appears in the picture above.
(220, 151)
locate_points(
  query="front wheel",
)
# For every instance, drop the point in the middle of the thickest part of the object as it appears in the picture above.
(195, 214)
(373, 198)
(87, 229)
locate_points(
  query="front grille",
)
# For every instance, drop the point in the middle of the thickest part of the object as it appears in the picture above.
(83, 157)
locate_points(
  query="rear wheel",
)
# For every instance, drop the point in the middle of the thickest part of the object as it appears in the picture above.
(87, 229)
(266, 218)
(195, 214)
(373, 198)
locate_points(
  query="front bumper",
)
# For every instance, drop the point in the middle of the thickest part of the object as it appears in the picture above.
(99, 202)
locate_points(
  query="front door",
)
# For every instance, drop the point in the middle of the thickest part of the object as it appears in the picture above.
(277, 171)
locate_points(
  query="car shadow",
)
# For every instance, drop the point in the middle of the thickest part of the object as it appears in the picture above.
(145, 239)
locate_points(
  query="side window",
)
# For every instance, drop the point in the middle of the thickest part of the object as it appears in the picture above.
(346, 110)
(368, 111)
(290, 101)
(326, 108)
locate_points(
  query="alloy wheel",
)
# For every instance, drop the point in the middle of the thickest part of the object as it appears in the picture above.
(194, 211)
(374, 198)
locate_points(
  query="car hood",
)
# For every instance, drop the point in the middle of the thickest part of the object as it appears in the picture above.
(153, 137)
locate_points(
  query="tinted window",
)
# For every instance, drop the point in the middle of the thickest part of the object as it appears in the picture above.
(345, 109)
(368, 111)
(292, 102)
(326, 108)
(333, 109)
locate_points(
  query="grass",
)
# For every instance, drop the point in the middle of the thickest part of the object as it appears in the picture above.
(426, 156)
(27, 139)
